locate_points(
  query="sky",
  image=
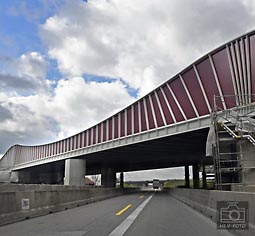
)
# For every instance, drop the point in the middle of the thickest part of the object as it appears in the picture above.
(66, 65)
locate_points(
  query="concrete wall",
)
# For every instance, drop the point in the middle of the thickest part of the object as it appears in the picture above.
(205, 202)
(247, 176)
(45, 199)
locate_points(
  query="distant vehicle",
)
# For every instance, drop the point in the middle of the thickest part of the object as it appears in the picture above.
(155, 184)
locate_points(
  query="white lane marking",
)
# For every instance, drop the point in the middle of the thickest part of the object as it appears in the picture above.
(123, 227)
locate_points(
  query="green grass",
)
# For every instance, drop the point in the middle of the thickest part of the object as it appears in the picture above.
(173, 183)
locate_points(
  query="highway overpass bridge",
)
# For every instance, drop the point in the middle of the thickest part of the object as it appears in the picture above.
(166, 128)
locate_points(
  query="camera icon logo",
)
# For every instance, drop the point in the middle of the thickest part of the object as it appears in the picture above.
(232, 215)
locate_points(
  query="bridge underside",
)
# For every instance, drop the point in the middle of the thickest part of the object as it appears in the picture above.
(173, 151)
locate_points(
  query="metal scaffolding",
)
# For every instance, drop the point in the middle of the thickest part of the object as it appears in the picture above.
(234, 146)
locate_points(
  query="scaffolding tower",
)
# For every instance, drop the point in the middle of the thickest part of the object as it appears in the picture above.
(234, 146)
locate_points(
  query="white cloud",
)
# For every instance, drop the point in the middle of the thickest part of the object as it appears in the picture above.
(144, 42)
(32, 65)
(76, 105)
(25, 74)
(73, 106)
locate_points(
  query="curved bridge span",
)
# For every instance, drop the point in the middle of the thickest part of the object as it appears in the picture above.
(172, 120)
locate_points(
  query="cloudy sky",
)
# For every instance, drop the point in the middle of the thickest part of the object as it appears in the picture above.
(65, 65)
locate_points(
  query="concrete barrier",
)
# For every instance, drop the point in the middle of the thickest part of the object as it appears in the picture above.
(205, 201)
(20, 202)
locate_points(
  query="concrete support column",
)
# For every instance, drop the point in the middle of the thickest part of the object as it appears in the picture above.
(187, 184)
(75, 170)
(108, 178)
(204, 178)
(195, 170)
(22, 177)
(121, 180)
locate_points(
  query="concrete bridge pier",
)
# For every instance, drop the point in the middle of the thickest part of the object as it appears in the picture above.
(22, 176)
(204, 178)
(121, 180)
(108, 177)
(195, 170)
(187, 184)
(75, 170)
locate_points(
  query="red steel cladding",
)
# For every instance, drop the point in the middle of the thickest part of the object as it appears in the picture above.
(110, 128)
(99, 133)
(73, 146)
(104, 131)
(116, 126)
(47, 150)
(89, 137)
(94, 134)
(54, 147)
(175, 109)
(240, 68)
(136, 119)
(38, 149)
(143, 119)
(71, 143)
(245, 63)
(221, 64)
(129, 121)
(207, 78)
(252, 63)
(192, 84)
(159, 118)
(81, 144)
(67, 145)
(58, 148)
(149, 113)
(75, 142)
(85, 138)
(122, 123)
(61, 146)
(37, 152)
(182, 98)
(236, 72)
(43, 151)
(167, 114)
(55, 150)
(50, 149)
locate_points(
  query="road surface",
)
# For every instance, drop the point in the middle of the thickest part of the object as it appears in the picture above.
(149, 213)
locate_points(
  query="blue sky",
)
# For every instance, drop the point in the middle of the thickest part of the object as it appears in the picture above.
(66, 65)
(20, 33)
(19, 30)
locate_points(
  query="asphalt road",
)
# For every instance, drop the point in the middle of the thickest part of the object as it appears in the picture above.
(137, 214)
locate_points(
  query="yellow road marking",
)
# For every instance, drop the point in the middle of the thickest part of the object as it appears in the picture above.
(141, 197)
(123, 210)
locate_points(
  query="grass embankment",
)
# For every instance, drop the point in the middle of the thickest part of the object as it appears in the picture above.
(173, 183)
